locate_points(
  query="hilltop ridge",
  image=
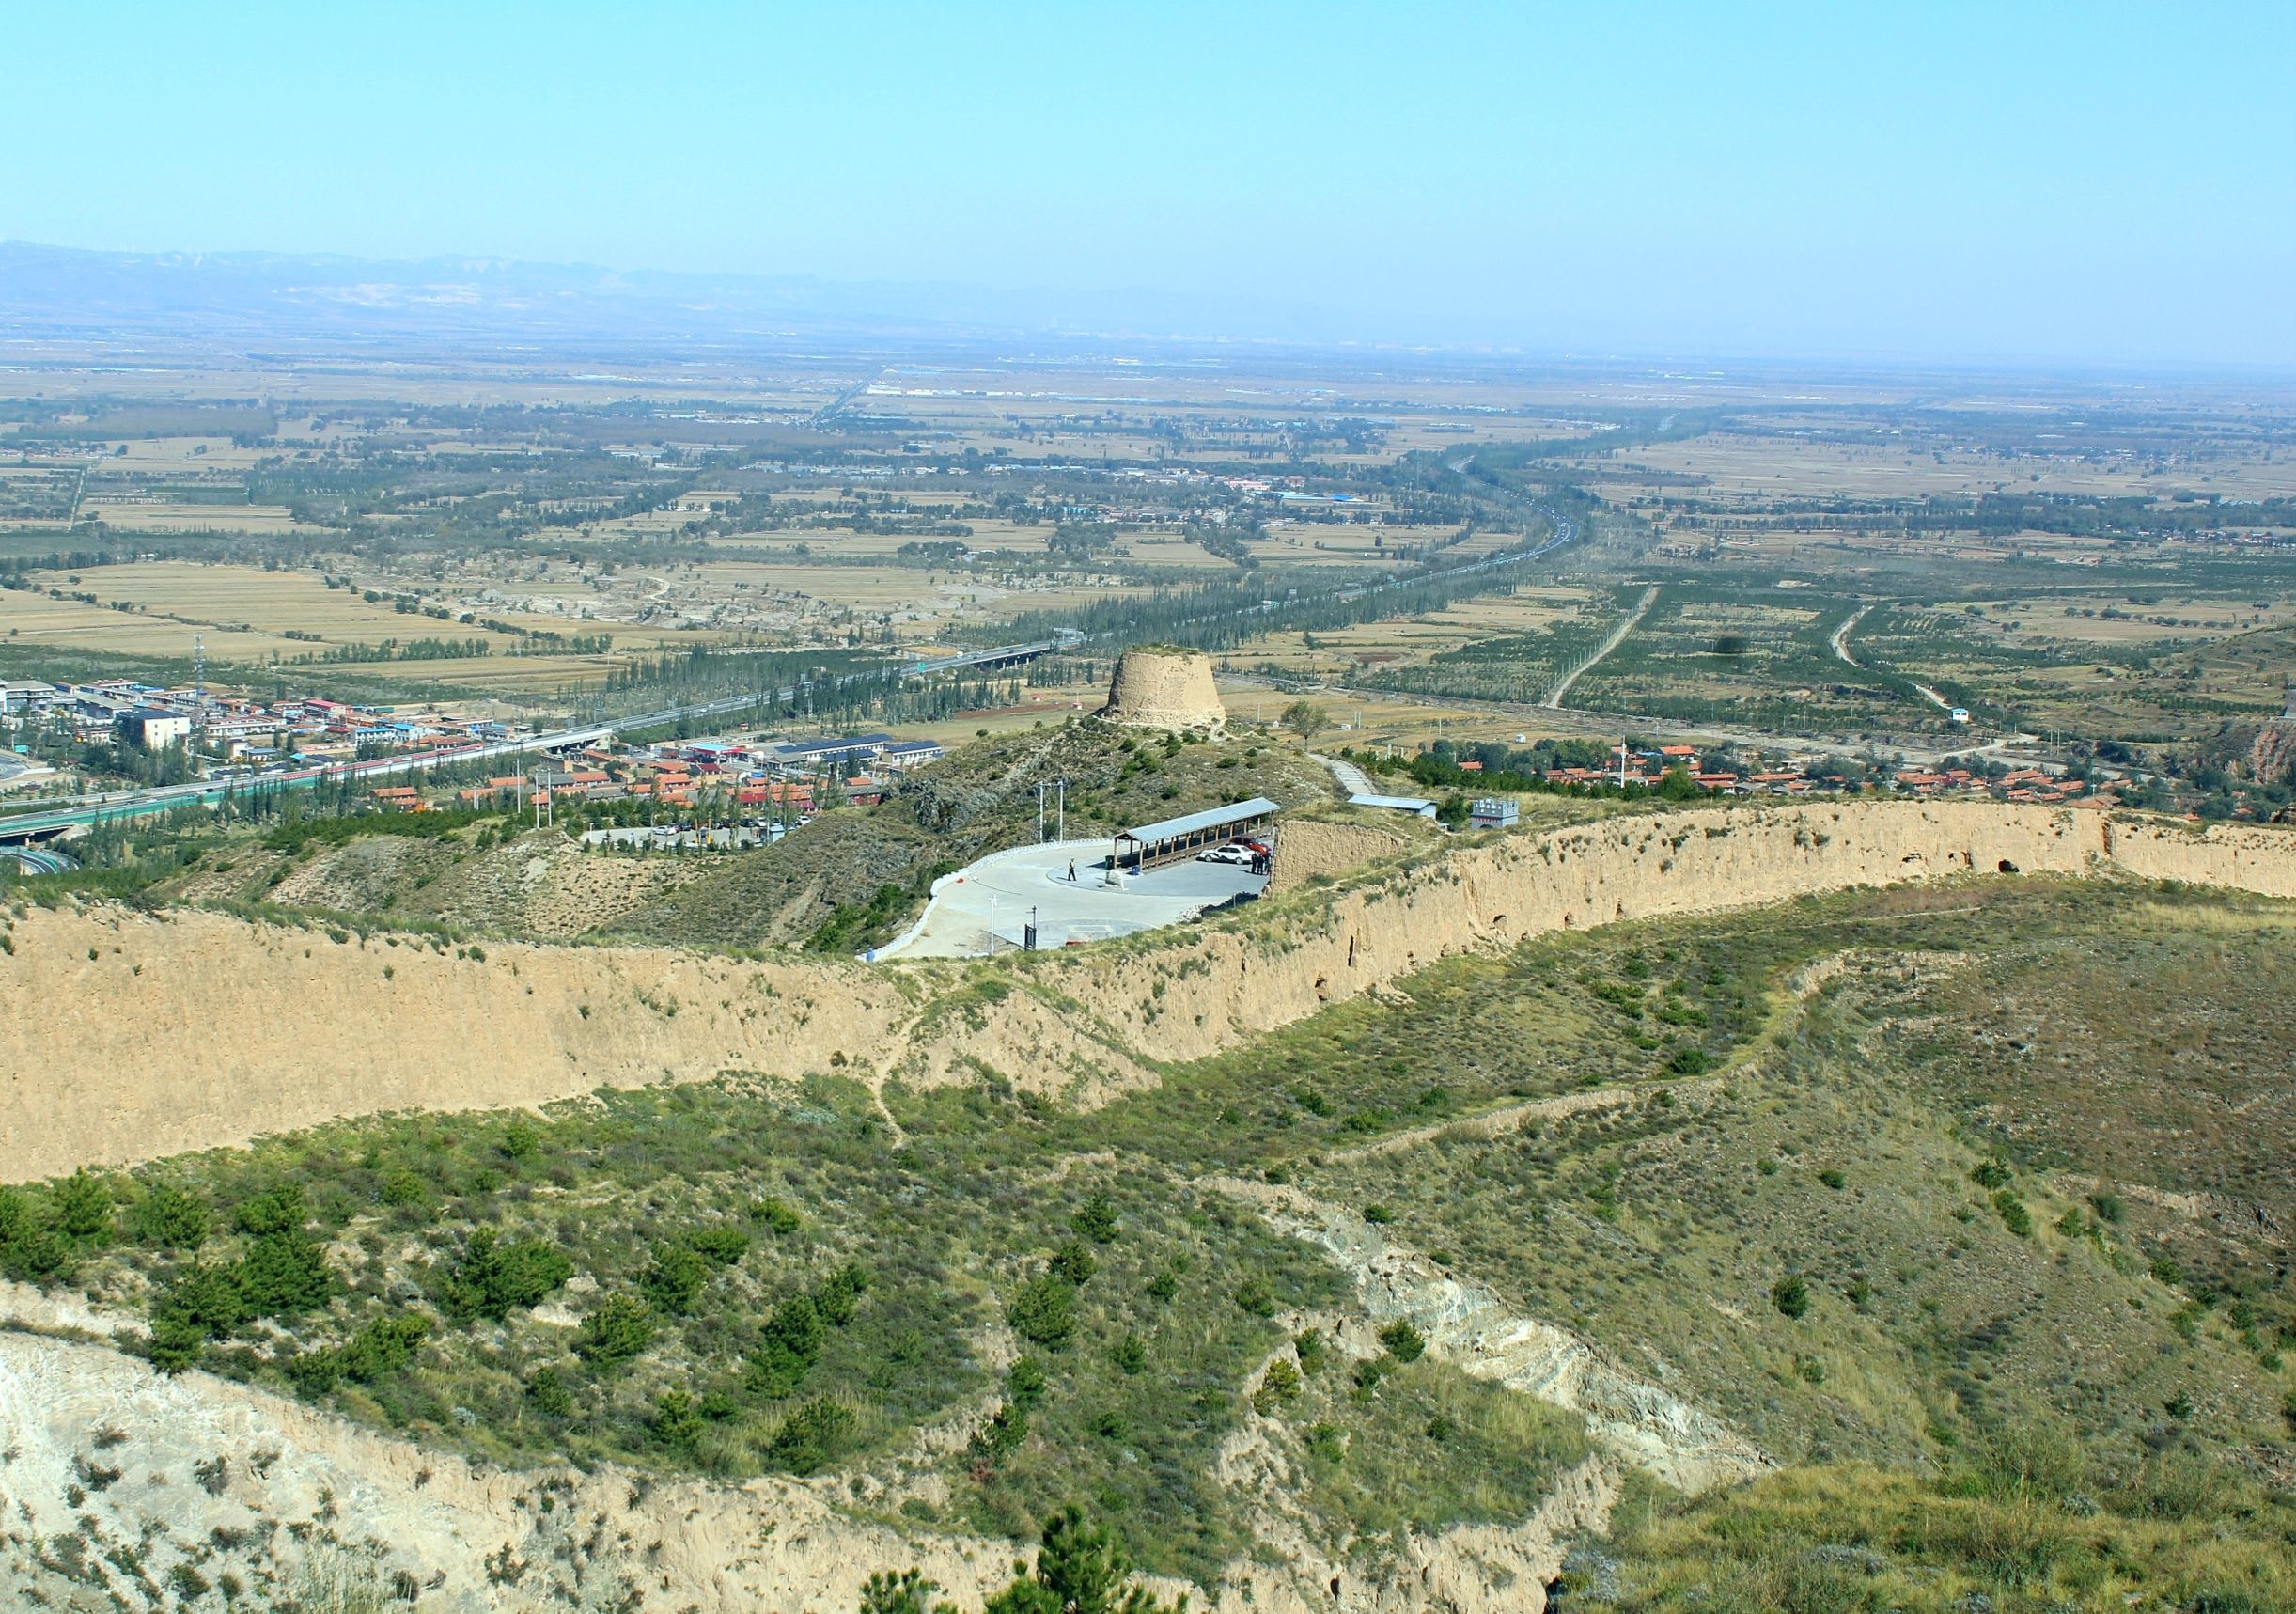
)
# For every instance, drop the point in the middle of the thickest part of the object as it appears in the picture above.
(120, 1079)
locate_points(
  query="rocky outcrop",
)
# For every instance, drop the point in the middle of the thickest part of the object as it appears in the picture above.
(128, 1036)
(119, 1480)
(105, 1454)
(1465, 1323)
(1163, 687)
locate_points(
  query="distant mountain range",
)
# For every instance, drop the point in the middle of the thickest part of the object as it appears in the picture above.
(270, 298)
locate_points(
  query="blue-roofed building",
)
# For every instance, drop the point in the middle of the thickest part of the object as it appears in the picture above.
(1168, 841)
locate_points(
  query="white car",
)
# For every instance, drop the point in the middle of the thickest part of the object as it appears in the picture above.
(1225, 854)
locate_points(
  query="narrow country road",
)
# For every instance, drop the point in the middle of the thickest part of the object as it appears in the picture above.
(1351, 778)
(1841, 634)
(1842, 648)
(1617, 636)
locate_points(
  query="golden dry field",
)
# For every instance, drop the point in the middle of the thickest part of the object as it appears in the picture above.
(1410, 640)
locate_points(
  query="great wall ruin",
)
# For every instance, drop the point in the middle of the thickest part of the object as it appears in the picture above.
(131, 1036)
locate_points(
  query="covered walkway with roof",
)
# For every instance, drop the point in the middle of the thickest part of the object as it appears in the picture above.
(1171, 839)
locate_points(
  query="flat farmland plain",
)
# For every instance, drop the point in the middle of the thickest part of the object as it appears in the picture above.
(1409, 641)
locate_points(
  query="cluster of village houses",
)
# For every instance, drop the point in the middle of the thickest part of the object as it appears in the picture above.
(1649, 767)
(780, 779)
(777, 779)
(234, 729)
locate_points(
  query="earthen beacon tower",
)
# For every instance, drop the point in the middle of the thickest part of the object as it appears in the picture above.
(1163, 687)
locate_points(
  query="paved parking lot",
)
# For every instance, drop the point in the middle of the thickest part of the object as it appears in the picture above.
(992, 898)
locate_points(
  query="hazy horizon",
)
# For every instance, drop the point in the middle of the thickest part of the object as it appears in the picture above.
(2103, 188)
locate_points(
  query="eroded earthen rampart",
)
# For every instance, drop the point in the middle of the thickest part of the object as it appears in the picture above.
(127, 1037)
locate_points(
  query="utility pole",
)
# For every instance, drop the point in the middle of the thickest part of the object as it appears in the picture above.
(1063, 833)
(1040, 812)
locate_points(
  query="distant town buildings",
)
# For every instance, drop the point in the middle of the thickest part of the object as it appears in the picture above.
(235, 737)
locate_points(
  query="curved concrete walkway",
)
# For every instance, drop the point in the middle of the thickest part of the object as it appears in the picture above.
(985, 906)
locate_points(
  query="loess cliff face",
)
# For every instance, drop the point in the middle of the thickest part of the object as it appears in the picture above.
(1304, 849)
(133, 1036)
(1221, 985)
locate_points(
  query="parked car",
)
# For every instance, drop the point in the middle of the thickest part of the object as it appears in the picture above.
(1226, 854)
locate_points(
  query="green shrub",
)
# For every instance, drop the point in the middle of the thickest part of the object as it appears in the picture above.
(376, 1351)
(277, 1209)
(168, 1218)
(676, 1421)
(721, 1246)
(1043, 1310)
(493, 1279)
(384, 1346)
(1073, 1262)
(1404, 1342)
(908, 1592)
(1989, 1174)
(29, 1248)
(404, 1187)
(1080, 1569)
(811, 1437)
(203, 1303)
(83, 1207)
(284, 1273)
(2014, 1216)
(1096, 1218)
(838, 1294)
(1791, 1294)
(1309, 1348)
(1279, 1384)
(616, 1332)
(788, 1347)
(674, 1281)
(547, 1391)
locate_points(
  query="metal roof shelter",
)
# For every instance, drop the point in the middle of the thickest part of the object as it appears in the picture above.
(1418, 805)
(1172, 839)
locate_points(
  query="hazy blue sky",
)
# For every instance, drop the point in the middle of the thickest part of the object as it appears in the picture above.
(2082, 182)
